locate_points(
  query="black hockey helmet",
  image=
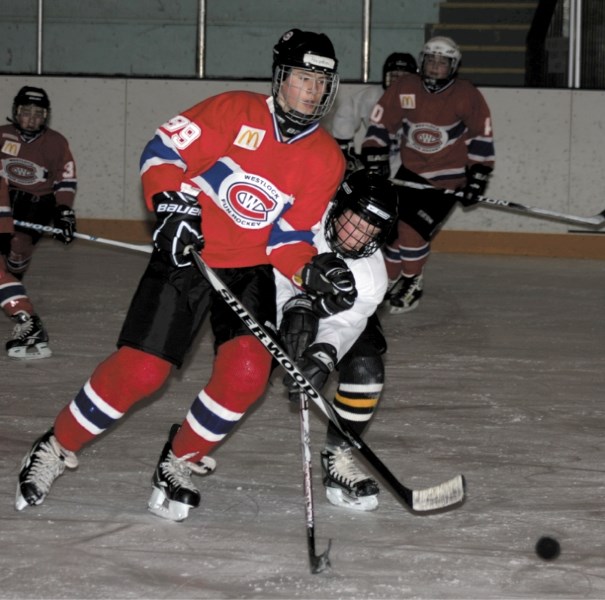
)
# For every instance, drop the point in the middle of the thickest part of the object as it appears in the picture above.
(397, 62)
(361, 215)
(306, 51)
(28, 96)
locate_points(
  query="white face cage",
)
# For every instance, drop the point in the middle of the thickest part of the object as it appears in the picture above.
(305, 95)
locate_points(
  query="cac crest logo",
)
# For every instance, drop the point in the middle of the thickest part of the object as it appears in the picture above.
(427, 138)
(251, 201)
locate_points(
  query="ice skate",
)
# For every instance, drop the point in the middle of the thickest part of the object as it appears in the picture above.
(41, 466)
(346, 484)
(405, 295)
(174, 494)
(29, 340)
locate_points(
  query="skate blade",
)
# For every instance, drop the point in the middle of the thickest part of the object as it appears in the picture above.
(362, 503)
(398, 310)
(34, 352)
(160, 506)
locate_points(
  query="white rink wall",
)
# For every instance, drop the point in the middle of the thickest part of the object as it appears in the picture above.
(548, 144)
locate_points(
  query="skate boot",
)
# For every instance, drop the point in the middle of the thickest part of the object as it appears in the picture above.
(29, 340)
(39, 469)
(406, 295)
(173, 491)
(346, 484)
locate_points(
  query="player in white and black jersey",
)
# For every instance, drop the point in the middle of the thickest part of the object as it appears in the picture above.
(355, 226)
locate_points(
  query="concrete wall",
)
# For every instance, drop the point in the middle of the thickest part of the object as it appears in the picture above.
(548, 145)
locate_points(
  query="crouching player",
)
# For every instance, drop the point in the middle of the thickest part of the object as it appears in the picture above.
(355, 226)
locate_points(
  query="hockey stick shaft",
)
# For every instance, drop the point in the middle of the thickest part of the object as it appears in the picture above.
(84, 236)
(596, 221)
(439, 496)
(319, 563)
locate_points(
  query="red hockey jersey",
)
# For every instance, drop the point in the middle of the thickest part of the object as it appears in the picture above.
(43, 166)
(442, 132)
(261, 195)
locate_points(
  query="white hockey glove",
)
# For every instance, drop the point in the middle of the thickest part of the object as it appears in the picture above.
(179, 224)
(65, 220)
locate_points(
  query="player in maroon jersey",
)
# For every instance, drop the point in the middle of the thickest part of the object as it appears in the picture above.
(244, 178)
(446, 143)
(38, 165)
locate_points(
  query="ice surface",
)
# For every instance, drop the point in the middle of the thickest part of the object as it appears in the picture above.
(497, 375)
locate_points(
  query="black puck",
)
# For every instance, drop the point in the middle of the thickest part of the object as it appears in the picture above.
(548, 548)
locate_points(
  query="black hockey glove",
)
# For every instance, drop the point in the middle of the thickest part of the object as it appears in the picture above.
(476, 183)
(5, 243)
(376, 161)
(179, 224)
(65, 220)
(353, 161)
(316, 364)
(298, 326)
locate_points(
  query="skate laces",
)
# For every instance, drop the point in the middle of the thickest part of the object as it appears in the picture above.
(23, 328)
(408, 288)
(178, 469)
(47, 463)
(342, 466)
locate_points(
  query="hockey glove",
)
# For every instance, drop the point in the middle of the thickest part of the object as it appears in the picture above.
(476, 183)
(376, 161)
(328, 274)
(179, 225)
(299, 325)
(316, 364)
(348, 151)
(65, 220)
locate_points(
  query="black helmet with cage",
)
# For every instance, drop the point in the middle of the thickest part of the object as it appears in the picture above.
(307, 54)
(447, 48)
(398, 62)
(35, 97)
(361, 215)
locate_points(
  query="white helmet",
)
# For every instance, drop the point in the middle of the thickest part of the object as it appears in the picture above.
(440, 46)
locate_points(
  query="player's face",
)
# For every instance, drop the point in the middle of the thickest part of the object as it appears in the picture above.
(303, 91)
(436, 67)
(354, 232)
(31, 117)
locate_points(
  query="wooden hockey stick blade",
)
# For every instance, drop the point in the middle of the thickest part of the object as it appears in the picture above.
(439, 496)
(596, 221)
(83, 236)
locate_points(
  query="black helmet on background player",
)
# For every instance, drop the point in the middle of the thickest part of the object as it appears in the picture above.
(304, 51)
(397, 63)
(30, 96)
(361, 215)
(440, 46)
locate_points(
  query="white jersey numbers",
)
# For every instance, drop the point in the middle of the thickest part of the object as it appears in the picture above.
(184, 131)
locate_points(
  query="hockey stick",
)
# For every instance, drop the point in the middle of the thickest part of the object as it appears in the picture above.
(440, 496)
(596, 221)
(84, 236)
(321, 562)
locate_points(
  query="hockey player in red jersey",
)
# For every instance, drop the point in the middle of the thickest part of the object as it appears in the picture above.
(355, 227)
(39, 167)
(243, 178)
(446, 143)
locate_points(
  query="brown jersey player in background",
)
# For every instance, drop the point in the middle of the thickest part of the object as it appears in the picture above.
(37, 185)
(446, 143)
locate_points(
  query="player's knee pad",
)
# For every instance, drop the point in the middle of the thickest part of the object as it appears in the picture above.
(240, 374)
(129, 375)
(360, 383)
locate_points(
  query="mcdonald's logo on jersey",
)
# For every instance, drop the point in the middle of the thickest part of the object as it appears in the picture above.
(249, 138)
(407, 100)
(11, 148)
